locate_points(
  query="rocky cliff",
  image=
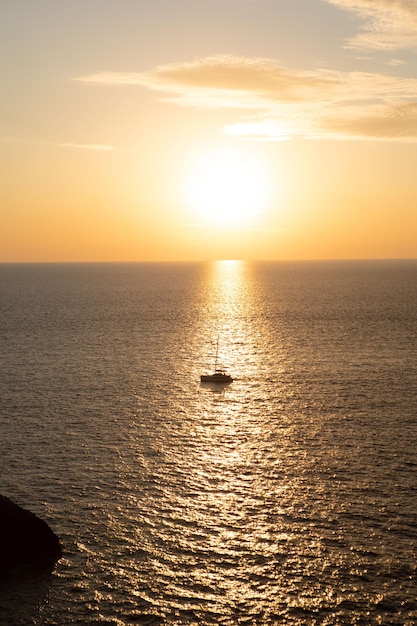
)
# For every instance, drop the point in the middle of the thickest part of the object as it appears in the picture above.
(25, 540)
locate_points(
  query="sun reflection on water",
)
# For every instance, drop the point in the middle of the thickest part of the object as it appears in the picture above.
(213, 459)
(234, 455)
(233, 311)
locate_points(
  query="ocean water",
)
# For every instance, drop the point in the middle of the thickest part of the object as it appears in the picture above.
(288, 497)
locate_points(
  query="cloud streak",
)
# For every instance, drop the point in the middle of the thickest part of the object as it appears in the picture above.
(391, 122)
(277, 102)
(78, 146)
(88, 146)
(227, 81)
(388, 24)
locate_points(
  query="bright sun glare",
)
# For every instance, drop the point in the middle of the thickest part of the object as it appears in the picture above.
(227, 187)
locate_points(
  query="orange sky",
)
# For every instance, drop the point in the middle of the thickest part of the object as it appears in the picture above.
(220, 129)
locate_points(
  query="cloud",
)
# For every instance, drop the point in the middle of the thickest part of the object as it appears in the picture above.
(79, 146)
(88, 146)
(393, 122)
(389, 24)
(227, 81)
(396, 62)
(274, 102)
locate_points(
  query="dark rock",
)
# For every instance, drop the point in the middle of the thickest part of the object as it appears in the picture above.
(25, 540)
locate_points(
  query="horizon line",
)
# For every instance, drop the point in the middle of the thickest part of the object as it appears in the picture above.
(166, 261)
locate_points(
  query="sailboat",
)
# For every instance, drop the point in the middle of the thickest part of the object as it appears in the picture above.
(219, 375)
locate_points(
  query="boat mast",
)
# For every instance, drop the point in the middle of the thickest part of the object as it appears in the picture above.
(217, 354)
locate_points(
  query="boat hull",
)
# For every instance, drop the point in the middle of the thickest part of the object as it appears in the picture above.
(216, 378)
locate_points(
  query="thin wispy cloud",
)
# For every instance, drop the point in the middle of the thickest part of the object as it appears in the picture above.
(395, 122)
(88, 146)
(78, 146)
(237, 82)
(396, 62)
(281, 102)
(387, 24)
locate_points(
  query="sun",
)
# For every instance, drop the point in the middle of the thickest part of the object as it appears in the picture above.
(227, 187)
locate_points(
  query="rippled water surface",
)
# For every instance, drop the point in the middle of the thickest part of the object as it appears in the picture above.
(287, 497)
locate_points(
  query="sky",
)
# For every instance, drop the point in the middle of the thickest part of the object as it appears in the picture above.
(177, 130)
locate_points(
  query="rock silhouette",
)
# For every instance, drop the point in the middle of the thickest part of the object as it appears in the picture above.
(25, 540)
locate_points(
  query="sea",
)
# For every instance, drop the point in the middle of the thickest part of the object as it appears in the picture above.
(286, 497)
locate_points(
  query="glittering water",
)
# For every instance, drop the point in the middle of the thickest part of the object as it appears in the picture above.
(288, 497)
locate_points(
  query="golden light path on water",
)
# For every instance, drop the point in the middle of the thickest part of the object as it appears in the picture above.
(199, 514)
(233, 312)
(230, 446)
